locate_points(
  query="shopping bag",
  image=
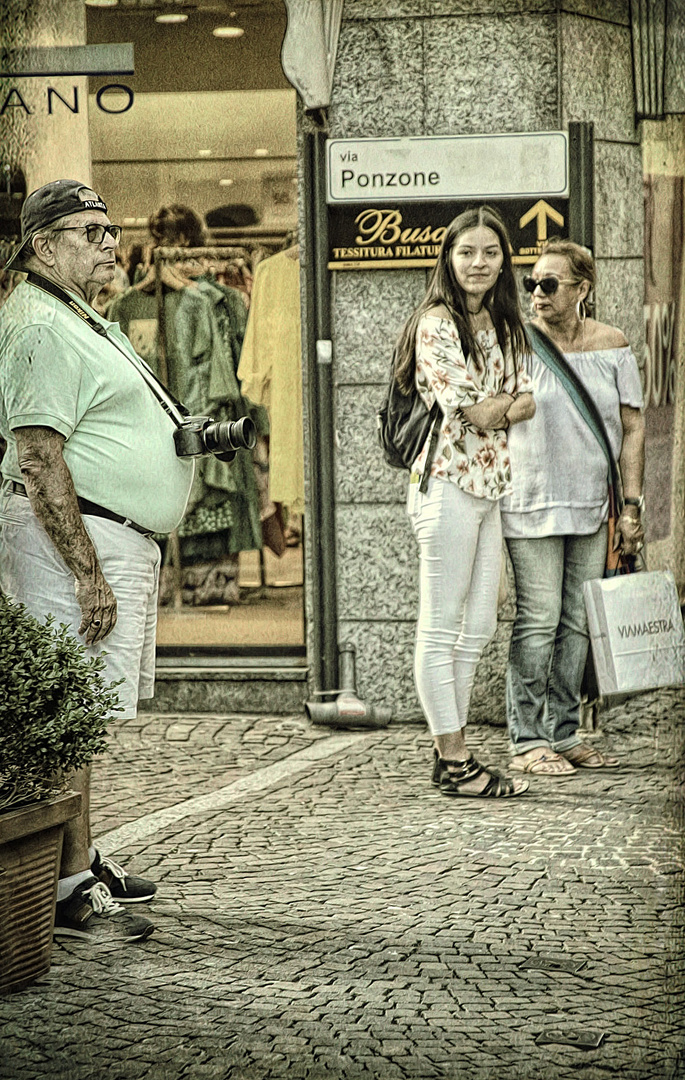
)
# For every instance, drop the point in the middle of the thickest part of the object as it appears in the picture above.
(636, 631)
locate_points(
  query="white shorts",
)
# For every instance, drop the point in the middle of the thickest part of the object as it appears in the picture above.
(34, 573)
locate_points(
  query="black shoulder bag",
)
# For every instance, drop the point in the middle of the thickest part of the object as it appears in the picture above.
(404, 424)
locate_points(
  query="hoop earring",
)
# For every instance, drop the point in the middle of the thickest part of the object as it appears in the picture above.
(580, 311)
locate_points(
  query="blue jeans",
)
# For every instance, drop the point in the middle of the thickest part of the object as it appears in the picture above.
(550, 639)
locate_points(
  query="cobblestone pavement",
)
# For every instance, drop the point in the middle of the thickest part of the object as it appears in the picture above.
(335, 917)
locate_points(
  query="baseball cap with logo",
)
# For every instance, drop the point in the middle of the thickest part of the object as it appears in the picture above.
(47, 205)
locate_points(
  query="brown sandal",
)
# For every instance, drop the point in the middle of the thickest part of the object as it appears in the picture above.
(539, 766)
(585, 757)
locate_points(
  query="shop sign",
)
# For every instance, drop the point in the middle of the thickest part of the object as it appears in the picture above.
(408, 235)
(31, 63)
(390, 200)
(14, 99)
(455, 167)
(38, 63)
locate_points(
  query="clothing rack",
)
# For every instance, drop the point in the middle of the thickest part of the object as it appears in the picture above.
(217, 258)
(260, 235)
(233, 256)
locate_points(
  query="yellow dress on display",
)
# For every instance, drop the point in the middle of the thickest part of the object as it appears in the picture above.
(270, 372)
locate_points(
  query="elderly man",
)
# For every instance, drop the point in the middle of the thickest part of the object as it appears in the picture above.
(90, 472)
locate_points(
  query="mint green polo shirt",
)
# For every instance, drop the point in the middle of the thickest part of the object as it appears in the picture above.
(56, 372)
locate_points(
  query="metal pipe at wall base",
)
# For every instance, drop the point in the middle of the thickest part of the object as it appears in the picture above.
(313, 547)
(326, 424)
(347, 711)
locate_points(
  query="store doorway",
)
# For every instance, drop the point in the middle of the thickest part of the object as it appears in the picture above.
(205, 161)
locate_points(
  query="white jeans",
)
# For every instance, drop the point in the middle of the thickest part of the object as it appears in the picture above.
(33, 572)
(460, 551)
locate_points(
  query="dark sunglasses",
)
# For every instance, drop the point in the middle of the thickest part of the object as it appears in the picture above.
(548, 285)
(95, 233)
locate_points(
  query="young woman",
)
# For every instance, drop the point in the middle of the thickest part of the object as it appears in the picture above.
(464, 347)
(555, 519)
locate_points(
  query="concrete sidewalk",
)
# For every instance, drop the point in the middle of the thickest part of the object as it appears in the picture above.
(324, 913)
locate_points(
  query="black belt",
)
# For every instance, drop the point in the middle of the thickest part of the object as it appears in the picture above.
(88, 507)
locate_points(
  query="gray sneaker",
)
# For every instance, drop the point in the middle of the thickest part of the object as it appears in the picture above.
(90, 914)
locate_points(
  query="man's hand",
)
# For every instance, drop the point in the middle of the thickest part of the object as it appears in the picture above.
(629, 534)
(52, 496)
(98, 609)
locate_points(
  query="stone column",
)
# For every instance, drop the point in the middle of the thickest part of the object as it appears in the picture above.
(455, 67)
(596, 83)
(46, 145)
(664, 155)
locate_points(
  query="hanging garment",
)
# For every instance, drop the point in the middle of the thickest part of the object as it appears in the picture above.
(223, 511)
(270, 372)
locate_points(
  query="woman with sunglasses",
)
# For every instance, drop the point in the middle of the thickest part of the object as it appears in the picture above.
(555, 520)
(464, 346)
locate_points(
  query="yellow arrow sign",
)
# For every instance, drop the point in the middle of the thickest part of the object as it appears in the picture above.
(542, 210)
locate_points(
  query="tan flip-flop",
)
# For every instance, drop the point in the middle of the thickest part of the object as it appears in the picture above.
(586, 757)
(539, 766)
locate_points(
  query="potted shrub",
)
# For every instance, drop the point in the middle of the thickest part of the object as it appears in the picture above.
(54, 709)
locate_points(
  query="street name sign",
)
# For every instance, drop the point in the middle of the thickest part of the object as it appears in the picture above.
(390, 200)
(452, 167)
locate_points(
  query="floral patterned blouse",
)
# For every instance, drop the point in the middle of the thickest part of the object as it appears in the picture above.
(477, 460)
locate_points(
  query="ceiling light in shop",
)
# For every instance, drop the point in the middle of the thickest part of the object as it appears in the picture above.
(172, 18)
(228, 31)
(204, 153)
(261, 151)
(226, 182)
(101, 3)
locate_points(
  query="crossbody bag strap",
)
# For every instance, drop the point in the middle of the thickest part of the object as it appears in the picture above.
(171, 405)
(576, 389)
(433, 442)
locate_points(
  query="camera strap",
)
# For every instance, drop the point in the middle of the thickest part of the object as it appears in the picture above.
(171, 405)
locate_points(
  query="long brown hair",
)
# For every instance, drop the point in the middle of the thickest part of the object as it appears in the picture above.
(444, 289)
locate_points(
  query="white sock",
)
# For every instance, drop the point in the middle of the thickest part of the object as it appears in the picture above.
(91, 855)
(66, 885)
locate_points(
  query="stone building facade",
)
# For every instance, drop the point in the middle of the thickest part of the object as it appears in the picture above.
(456, 67)
(421, 67)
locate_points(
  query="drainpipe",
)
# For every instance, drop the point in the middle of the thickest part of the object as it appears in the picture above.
(346, 710)
(321, 412)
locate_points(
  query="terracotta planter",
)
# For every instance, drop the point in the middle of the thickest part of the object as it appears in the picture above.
(30, 853)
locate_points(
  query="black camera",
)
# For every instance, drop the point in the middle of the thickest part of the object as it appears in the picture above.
(202, 435)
